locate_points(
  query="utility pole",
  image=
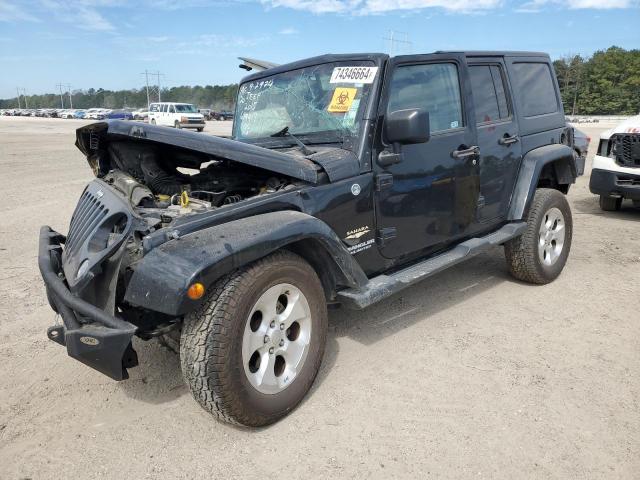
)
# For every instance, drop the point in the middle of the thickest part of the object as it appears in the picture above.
(18, 92)
(61, 97)
(24, 95)
(153, 89)
(68, 87)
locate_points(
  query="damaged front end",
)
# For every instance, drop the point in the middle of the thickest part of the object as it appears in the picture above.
(81, 281)
(148, 181)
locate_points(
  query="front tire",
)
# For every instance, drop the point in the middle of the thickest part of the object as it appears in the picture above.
(610, 204)
(177, 125)
(250, 353)
(540, 253)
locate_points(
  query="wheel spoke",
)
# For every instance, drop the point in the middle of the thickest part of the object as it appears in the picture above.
(294, 312)
(293, 352)
(266, 374)
(255, 340)
(268, 302)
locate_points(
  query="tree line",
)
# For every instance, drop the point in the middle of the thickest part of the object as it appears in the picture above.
(607, 83)
(217, 97)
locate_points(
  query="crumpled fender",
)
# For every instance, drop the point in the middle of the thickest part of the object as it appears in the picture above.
(532, 164)
(161, 279)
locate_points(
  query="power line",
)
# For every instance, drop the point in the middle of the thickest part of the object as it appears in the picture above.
(395, 43)
(152, 89)
(24, 95)
(67, 87)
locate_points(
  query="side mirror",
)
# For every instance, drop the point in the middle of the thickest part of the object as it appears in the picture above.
(407, 126)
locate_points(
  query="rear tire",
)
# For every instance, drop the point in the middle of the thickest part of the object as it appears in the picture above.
(153, 121)
(610, 204)
(244, 356)
(540, 253)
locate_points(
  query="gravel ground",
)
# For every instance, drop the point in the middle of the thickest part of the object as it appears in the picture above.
(469, 373)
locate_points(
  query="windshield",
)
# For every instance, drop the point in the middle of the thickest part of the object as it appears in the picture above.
(185, 108)
(322, 99)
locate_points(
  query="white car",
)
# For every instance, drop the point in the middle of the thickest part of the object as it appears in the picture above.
(67, 113)
(616, 166)
(140, 114)
(178, 115)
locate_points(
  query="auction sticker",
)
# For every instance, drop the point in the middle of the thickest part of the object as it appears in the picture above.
(342, 99)
(353, 74)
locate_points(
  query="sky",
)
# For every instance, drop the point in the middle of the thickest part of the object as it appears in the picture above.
(108, 43)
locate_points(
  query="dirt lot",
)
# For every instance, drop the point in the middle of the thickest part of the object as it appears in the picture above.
(469, 374)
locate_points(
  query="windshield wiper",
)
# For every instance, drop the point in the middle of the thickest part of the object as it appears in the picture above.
(286, 133)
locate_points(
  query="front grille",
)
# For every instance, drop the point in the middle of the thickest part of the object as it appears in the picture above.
(626, 149)
(88, 214)
(628, 181)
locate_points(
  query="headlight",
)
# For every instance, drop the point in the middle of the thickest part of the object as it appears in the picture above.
(84, 267)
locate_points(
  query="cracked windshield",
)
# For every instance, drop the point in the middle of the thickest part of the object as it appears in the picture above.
(325, 100)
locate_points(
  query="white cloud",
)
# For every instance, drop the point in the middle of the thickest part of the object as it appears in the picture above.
(10, 12)
(81, 13)
(538, 5)
(364, 7)
(289, 31)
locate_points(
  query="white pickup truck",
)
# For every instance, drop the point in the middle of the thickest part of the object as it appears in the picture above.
(178, 115)
(616, 166)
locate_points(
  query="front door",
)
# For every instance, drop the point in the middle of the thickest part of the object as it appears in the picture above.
(429, 198)
(500, 147)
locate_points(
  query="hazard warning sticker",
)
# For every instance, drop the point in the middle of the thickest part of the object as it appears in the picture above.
(342, 99)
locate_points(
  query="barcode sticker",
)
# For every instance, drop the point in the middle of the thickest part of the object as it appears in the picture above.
(353, 74)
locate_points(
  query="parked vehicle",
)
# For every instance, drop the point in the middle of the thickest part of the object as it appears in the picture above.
(581, 143)
(222, 116)
(119, 115)
(616, 167)
(346, 190)
(177, 115)
(78, 114)
(206, 113)
(141, 114)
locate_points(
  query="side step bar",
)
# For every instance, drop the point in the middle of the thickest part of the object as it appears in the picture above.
(382, 286)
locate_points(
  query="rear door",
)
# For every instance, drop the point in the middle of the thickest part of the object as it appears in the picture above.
(429, 198)
(498, 137)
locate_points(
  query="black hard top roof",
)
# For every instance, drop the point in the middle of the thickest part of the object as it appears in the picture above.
(379, 58)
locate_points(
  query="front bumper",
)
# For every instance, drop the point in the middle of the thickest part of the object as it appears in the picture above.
(192, 125)
(91, 335)
(615, 184)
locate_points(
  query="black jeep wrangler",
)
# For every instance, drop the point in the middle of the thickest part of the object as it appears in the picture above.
(348, 178)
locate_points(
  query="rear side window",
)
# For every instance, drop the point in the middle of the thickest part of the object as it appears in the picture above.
(488, 93)
(433, 87)
(535, 87)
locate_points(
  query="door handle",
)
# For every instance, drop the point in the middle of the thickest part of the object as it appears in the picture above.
(508, 140)
(464, 151)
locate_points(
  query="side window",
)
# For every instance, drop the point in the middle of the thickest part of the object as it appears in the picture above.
(488, 93)
(535, 87)
(433, 87)
(163, 108)
(172, 109)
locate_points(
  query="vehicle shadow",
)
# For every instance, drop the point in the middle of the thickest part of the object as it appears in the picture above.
(423, 300)
(158, 378)
(590, 205)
